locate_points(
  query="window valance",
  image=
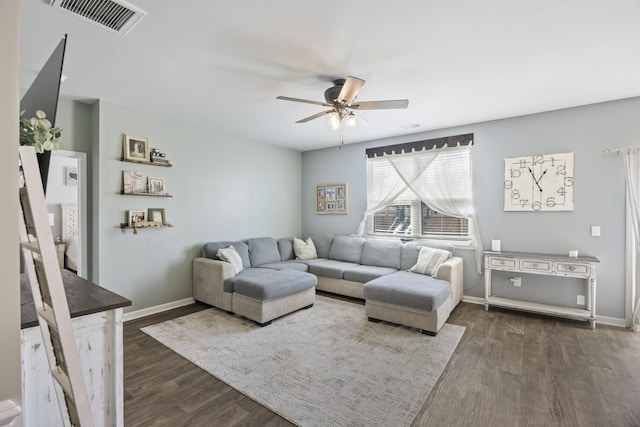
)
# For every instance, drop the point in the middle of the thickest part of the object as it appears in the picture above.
(450, 141)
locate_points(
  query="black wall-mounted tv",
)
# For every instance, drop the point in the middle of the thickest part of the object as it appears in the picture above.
(43, 95)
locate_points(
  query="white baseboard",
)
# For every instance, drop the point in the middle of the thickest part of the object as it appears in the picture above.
(472, 300)
(605, 320)
(157, 309)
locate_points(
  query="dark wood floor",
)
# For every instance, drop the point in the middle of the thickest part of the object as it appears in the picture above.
(510, 369)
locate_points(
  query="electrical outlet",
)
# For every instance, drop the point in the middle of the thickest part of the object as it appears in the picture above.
(517, 281)
(580, 300)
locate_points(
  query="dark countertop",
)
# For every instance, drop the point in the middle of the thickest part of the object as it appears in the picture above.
(83, 298)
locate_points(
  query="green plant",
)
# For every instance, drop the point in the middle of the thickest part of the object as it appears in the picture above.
(37, 131)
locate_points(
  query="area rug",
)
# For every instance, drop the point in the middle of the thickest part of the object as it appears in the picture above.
(324, 366)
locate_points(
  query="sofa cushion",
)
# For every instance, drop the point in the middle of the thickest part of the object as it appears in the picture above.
(248, 272)
(231, 256)
(323, 244)
(304, 249)
(272, 284)
(331, 268)
(382, 253)
(309, 262)
(347, 248)
(429, 260)
(210, 250)
(365, 273)
(411, 250)
(408, 290)
(287, 265)
(285, 247)
(263, 250)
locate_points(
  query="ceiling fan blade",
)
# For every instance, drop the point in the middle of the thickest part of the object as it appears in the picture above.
(381, 105)
(305, 101)
(350, 89)
(315, 116)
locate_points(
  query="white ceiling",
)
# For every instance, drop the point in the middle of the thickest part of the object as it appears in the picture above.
(457, 61)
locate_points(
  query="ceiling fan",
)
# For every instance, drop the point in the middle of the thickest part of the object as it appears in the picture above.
(340, 100)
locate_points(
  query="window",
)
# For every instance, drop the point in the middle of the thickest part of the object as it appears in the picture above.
(393, 220)
(397, 220)
(423, 193)
(437, 225)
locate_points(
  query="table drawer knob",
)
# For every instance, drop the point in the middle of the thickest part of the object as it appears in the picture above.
(572, 267)
(535, 264)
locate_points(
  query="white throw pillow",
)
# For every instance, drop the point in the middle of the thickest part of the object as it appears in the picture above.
(429, 259)
(231, 256)
(304, 249)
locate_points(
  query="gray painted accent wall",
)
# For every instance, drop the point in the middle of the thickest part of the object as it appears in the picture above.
(223, 189)
(599, 195)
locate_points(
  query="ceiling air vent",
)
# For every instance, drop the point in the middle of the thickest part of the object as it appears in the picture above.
(114, 15)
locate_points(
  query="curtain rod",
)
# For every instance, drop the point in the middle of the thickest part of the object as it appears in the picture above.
(618, 150)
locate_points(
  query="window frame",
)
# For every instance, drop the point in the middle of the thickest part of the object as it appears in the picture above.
(416, 205)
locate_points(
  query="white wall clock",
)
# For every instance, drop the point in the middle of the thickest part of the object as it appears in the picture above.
(539, 183)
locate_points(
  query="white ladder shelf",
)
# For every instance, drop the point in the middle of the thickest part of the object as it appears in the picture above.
(45, 278)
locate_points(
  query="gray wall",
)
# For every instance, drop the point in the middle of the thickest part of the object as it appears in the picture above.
(599, 195)
(10, 379)
(223, 188)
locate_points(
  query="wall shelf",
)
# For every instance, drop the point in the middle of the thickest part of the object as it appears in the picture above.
(145, 194)
(125, 225)
(145, 162)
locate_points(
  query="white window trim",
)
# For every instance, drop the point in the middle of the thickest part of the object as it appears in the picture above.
(416, 224)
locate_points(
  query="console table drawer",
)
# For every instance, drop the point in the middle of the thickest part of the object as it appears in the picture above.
(536, 265)
(573, 269)
(499, 263)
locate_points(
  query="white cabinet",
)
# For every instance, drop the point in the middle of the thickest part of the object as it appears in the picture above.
(97, 325)
(99, 340)
(583, 267)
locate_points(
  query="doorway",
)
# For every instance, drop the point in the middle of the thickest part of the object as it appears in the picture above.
(66, 200)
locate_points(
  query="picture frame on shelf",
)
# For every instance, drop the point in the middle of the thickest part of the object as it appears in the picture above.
(156, 186)
(132, 182)
(332, 199)
(135, 216)
(135, 148)
(156, 215)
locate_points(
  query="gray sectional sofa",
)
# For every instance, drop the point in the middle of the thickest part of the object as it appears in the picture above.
(274, 283)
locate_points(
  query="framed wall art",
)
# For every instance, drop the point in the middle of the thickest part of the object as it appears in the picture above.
(156, 215)
(135, 148)
(156, 186)
(135, 216)
(331, 199)
(71, 176)
(132, 182)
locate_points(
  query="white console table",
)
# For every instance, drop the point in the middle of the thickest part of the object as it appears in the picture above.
(583, 267)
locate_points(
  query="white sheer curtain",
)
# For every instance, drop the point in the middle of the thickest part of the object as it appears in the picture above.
(631, 158)
(435, 177)
(383, 187)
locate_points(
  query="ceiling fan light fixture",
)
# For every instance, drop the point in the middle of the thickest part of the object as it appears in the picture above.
(334, 120)
(351, 120)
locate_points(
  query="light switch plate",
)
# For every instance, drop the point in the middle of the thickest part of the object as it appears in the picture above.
(595, 230)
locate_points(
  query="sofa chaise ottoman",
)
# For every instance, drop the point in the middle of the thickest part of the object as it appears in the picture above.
(257, 293)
